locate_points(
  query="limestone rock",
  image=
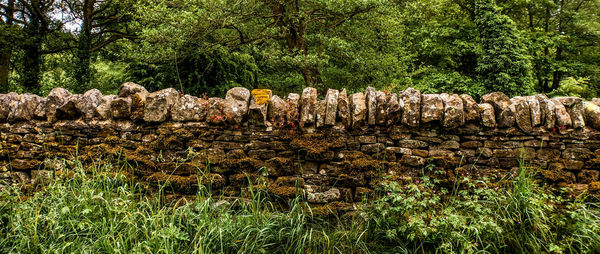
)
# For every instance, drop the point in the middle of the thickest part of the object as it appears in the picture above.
(548, 111)
(5, 104)
(308, 105)
(563, 119)
(344, 109)
(103, 110)
(189, 108)
(237, 101)
(432, 108)
(259, 104)
(380, 112)
(330, 195)
(277, 111)
(596, 101)
(358, 106)
(24, 108)
(120, 108)
(535, 110)
(56, 98)
(320, 111)
(472, 113)
(292, 108)
(215, 114)
(454, 114)
(130, 88)
(86, 103)
(371, 97)
(332, 106)
(138, 103)
(158, 105)
(522, 113)
(505, 115)
(488, 119)
(68, 110)
(592, 115)
(393, 110)
(411, 112)
(574, 106)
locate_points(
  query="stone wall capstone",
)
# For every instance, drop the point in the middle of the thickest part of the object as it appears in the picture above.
(331, 150)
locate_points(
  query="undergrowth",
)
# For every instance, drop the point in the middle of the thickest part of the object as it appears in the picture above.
(95, 210)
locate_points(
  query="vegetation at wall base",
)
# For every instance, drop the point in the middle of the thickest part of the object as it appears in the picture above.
(95, 209)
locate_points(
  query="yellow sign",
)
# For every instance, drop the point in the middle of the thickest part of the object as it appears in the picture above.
(261, 96)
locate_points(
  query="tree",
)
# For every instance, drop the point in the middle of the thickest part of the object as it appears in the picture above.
(102, 23)
(289, 31)
(503, 65)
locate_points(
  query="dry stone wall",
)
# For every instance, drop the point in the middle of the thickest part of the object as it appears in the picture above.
(332, 150)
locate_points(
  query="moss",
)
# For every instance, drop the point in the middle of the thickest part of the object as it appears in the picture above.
(181, 184)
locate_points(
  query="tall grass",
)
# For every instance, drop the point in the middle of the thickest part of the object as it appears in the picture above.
(103, 212)
(95, 210)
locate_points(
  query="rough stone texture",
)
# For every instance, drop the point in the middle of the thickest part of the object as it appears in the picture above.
(308, 106)
(158, 105)
(454, 114)
(189, 108)
(432, 108)
(592, 115)
(5, 105)
(535, 110)
(277, 111)
(563, 119)
(292, 109)
(120, 108)
(215, 114)
(129, 88)
(320, 111)
(505, 115)
(24, 107)
(87, 103)
(259, 103)
(411, 111)
(548, 108)
(574, 107)
(371, 96)
(522, 113)
(359, 109)
(56, 98)
(331, 98)
(333, 164)
(103, 110)
(394, 110)
(343, 113)
(138, 103)
(381, 108)
(488, 119)
(472, 112)
(237, 101)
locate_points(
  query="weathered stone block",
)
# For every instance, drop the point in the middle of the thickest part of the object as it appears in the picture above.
(432, 108)
(331, 99)
(505, 115)
(411, 112)
(454, 114)
(308, 107)
(359, 109)
(158, 105)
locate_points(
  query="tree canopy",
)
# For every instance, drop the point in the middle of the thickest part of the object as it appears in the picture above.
(207, 46)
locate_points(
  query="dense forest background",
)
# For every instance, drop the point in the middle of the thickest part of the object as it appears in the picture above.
(207, 46)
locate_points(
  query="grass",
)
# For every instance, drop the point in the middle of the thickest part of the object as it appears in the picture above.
(95, 210)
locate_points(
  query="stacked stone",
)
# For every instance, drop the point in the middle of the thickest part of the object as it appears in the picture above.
(334, 150)
(260, 107)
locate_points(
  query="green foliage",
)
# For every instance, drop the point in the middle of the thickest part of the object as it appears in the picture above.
(502, 64)
(575, 87)
(475, 217)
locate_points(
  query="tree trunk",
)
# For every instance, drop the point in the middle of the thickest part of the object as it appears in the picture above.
(4, 71)
(557, 75)
(32, 61)
(84, 48)
(293, 30)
